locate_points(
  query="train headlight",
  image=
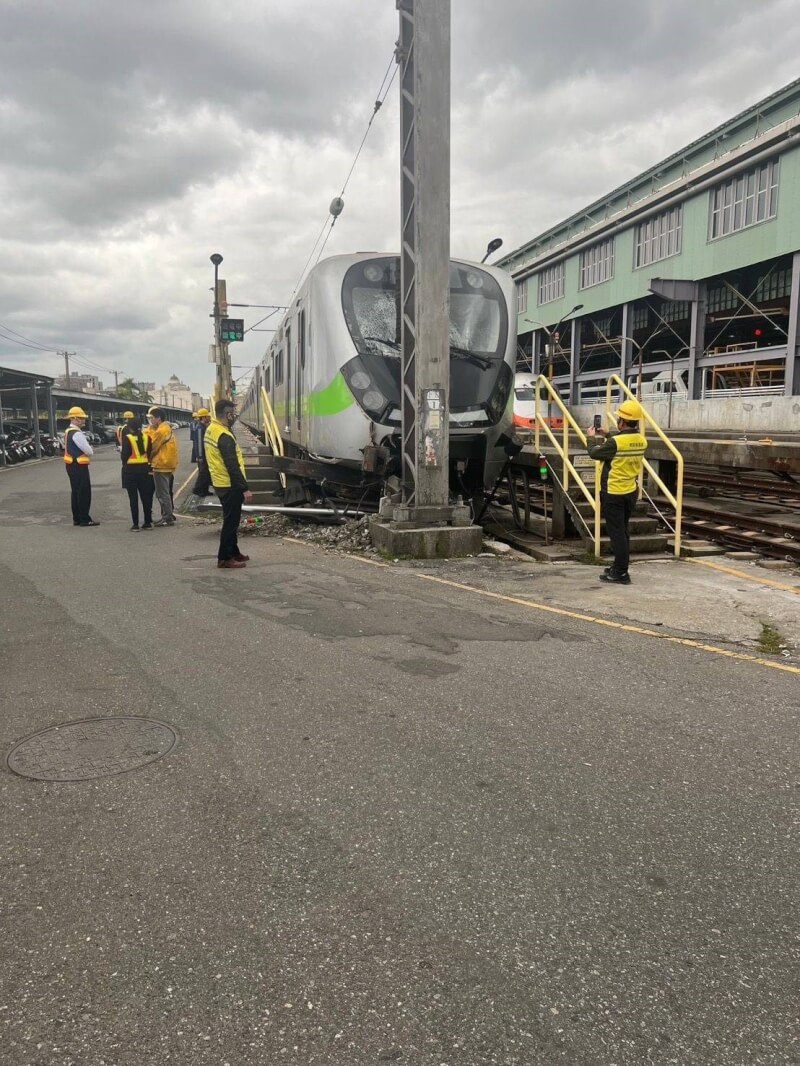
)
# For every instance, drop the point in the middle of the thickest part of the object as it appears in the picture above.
(372, 272)
(475, 281)
(373, 400)
(360, 380)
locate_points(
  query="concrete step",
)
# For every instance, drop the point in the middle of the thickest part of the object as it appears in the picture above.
(656, 542)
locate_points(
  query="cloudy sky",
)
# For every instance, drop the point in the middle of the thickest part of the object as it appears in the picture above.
(138, 138)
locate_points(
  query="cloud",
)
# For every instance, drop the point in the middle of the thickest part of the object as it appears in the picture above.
(139, 138)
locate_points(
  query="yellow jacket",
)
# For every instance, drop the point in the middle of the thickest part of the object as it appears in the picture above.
(164, 449)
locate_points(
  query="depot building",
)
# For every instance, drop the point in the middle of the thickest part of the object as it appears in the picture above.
(692, 268)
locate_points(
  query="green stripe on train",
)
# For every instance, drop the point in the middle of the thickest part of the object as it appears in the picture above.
(331, 400)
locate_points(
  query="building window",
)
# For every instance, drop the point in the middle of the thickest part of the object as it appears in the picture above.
(721, 298)
(597, 263)
(745, 200)
(640, 318)
(659, 237)
(551, 283)
(776, 284)
(674, 310)
(522, 297)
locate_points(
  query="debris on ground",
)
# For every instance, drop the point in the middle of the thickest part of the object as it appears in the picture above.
(351, 535)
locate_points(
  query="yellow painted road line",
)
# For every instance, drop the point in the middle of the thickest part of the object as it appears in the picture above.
(747, 577)
(687, 642)
(186, 482)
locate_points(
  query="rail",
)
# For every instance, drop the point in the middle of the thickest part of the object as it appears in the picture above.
(675, 499)
(562, 449)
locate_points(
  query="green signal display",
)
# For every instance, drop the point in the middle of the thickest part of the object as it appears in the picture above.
(231, 329)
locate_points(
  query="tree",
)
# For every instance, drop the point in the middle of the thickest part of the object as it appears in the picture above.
(129, 390)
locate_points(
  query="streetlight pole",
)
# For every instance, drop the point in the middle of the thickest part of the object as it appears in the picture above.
(492, 247)
(216, 259)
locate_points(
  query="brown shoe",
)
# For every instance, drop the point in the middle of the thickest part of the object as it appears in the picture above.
(230, 564)
(242, 558)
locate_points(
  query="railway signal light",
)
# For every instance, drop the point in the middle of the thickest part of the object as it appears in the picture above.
(231, 329)
(543, 468)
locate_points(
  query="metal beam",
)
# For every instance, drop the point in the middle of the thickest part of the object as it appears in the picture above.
(792, 373)
(675, 289)
(697, 340)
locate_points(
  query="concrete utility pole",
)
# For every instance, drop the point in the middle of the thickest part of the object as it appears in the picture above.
(422, 524)
(66, 367)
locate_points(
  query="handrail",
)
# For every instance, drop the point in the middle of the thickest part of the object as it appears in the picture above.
(677, 499)
(271, 430)
(563, 451)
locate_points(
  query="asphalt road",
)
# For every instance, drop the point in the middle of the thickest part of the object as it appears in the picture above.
(401, 823)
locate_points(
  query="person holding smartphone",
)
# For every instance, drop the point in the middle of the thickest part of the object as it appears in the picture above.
(621, 453)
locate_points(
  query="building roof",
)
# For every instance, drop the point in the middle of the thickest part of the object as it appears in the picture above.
(724, 139)
(11, 378)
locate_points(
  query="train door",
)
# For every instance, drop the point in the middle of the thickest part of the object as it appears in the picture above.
(300, 372)
(288, 393)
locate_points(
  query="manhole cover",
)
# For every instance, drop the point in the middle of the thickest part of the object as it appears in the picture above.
(95, 747)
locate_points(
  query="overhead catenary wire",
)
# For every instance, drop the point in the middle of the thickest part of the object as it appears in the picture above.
(329, 223)
(28, 342)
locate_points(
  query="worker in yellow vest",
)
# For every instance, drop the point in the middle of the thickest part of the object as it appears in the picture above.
(78, 454)
(622, 455)
(164, 461)
(137, 477)
(226, 466)
(126, 416)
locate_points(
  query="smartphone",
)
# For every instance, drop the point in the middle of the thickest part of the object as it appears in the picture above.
(598, 422)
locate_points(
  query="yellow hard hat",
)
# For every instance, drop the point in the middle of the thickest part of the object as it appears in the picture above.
(128, 414)
(76, 412)
(203, 413)
(151, 409)
(630, 411)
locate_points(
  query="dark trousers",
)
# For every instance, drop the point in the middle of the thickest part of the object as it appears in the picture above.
(142, 488)
(81, 495)
(202, 485)
(231, 500)
(617, 511)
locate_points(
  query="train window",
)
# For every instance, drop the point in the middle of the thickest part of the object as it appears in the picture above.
(302, 339)
(266, 378)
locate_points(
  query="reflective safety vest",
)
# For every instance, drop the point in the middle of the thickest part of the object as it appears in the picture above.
(138, 443)
(626, 466)
(220, 478)
(72, 453)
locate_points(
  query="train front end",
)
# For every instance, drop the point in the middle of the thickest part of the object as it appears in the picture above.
(482, 352)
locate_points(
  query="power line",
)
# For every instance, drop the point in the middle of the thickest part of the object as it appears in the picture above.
(26, 341)
(377, 106)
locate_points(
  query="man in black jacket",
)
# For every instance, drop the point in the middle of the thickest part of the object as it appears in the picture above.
(226, 465)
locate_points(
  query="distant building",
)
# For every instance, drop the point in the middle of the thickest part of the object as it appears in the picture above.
(174, 394)
(148, 387)
(80, 383)
(693, 267)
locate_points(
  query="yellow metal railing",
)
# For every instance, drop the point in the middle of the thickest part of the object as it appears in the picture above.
(273, 434)
(567, 468)
(675, 499)
(271, 431)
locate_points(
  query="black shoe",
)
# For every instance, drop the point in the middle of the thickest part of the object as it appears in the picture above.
(147, 525)
(91, 522)
(134, 529)
(614, 578)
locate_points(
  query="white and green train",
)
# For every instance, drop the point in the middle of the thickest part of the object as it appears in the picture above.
(332, 371)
